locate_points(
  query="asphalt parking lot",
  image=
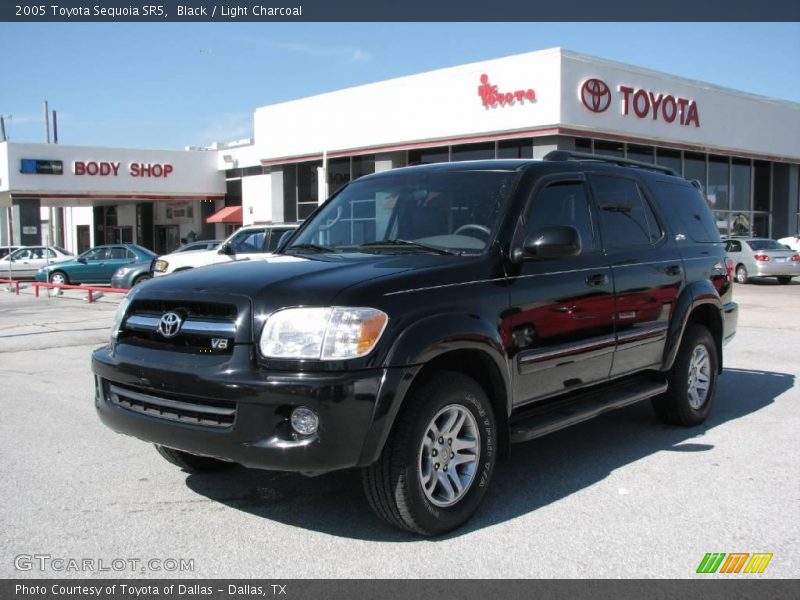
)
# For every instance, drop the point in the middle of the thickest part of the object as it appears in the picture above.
(621, 496)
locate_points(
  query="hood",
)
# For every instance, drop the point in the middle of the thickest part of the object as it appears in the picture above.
(285, 280)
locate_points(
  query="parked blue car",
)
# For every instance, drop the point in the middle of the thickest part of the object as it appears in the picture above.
(96, 265)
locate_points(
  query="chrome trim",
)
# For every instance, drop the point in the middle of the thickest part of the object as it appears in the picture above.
(116, 392)
(191, 327)
(605, 342)
(642, 333)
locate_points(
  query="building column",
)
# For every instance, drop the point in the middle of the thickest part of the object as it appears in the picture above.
(26, 221)
(784, 199)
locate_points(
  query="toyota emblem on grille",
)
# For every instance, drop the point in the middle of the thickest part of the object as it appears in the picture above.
(170, 324)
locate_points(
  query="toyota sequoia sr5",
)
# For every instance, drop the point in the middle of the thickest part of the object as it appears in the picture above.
(424, 319)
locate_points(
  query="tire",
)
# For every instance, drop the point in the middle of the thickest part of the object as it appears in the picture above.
(59, 277)
(192, 462)
(741, 274)
(394, 483)
(784, 279)
(139, 280)
(684, 402)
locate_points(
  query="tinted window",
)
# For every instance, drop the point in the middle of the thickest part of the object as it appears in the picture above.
(251, 240)
(765, 245)
(118, 253)
(733, 246)
(95, 254)
(563, 203)
(275, 237)
(626, 218)
(693, 211)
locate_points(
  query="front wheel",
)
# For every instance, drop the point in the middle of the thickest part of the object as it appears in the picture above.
(784, 280)
(139, 280)
(59, 277)
(437, 463)
(192, 462)
(692, 380)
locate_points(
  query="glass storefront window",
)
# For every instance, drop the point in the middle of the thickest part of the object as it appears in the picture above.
(761, 185)
(428, 155)
(609, 148)
(363, 165)
(481, 151)
(741, 178)
(718, 175)
(760, 225)
(583, 145)
(338, 174)
(304, 209)
(515, 148)
(307, 190)
(640, 153)
(694, 167)
(669, 158)
(721, 217)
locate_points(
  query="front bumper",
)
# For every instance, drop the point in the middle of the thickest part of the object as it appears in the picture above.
(122, 283)
(259, 435)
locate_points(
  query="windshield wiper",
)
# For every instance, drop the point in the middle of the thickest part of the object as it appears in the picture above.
(308, 246)
(409, 244)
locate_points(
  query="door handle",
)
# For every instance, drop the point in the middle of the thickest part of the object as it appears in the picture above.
(597, 279)
(673, 270)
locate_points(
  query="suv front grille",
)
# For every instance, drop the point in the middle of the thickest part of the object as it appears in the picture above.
(206, 327)
(207, 413)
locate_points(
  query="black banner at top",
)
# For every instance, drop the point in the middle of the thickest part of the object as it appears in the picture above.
(38, 11)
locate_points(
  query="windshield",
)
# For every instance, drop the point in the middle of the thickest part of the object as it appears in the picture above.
(449, 212)
(765, 245)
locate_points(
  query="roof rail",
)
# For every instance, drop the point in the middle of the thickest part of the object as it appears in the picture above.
(623, 162)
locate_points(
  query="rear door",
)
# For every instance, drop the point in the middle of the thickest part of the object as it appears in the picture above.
(560, 324)
(646, 267)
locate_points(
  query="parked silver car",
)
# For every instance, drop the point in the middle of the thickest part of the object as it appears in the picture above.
(761, 257)
(26, 261)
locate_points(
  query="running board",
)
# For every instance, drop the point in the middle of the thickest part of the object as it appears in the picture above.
(559, 414)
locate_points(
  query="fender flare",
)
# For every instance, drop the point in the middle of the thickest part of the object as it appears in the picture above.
(695, 295)
(417, 345)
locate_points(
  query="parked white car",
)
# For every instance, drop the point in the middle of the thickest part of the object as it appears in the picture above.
(252, 241)
(792, 241)
(26, 261)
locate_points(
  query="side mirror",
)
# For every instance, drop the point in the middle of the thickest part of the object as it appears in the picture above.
(226, 249)
(558, 241)
(287, 235)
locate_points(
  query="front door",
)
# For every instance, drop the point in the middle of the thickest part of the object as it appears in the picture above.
(167, 238)
(561, 326)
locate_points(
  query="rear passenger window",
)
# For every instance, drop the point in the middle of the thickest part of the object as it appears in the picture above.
(693, 211)
(626, 218)
(563, 203)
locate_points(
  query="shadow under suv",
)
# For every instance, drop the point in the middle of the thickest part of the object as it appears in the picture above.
(424, 319)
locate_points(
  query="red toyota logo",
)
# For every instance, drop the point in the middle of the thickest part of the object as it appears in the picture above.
(595, 95)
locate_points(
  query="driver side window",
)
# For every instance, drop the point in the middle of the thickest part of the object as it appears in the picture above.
(562, 203)
(248, 242)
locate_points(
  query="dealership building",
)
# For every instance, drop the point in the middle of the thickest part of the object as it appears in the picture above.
(743, 148)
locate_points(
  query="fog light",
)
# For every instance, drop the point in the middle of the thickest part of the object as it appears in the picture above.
(304, 420)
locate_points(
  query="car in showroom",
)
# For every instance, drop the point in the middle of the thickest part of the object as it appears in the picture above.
(762, 257)
(96, 265)
(24, 262)
(251, 241)
(426, 318)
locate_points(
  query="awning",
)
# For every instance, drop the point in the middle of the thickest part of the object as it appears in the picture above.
(229, 214)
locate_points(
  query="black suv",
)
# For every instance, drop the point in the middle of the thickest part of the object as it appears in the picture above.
(425, 318)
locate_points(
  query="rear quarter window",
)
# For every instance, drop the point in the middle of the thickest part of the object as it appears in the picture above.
(691, 209)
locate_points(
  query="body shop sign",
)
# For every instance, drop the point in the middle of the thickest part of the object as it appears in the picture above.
(642, 103)
(94, 168)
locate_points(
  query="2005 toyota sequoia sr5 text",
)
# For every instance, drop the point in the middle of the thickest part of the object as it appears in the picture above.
(422, 320)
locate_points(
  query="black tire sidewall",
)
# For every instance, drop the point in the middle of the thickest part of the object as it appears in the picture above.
(695, 335)
(433, 519)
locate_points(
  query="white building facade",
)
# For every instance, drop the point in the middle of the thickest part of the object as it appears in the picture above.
(743, 148)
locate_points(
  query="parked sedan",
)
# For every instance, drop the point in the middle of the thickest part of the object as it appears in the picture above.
(760, 257)
(6, 250)
(96, 265)
(26, 261)
(131, 275)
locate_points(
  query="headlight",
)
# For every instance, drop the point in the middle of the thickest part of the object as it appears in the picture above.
(333, 333)
(160, 266)
(119, 315)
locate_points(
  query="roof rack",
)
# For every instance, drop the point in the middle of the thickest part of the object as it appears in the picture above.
(623, 162)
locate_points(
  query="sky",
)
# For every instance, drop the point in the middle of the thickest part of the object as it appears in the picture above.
(170, 85)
